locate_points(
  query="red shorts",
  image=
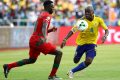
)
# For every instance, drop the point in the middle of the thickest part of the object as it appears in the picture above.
(45, 47)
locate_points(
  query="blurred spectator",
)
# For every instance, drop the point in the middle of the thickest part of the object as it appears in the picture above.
(25, 12)
(78, 11)
(23, 16)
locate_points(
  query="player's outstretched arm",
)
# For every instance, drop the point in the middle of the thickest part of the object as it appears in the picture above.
(105, 35)
(65, 39)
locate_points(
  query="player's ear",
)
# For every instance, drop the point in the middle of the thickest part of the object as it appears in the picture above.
(93, 12)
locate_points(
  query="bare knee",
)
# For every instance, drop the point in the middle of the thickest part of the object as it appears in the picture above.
(59, 53)
(88, 61)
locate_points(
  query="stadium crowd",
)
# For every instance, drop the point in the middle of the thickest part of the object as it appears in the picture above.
(25, 12)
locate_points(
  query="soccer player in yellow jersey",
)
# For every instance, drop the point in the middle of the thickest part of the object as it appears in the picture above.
(86, 40)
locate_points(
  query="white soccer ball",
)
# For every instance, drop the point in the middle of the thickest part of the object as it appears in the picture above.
(82, 25)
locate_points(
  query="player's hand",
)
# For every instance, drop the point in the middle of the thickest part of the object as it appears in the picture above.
(54, 29)
(104, 38)
(63, 43)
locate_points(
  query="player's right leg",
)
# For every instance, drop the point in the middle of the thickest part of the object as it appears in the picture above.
(78, 54)
(48, 48)
(57, 60)
(33, 54)
(90, 54)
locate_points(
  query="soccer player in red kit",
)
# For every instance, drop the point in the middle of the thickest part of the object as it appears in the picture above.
(38, 43)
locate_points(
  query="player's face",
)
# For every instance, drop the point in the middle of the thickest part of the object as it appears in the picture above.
(89, 14)
(51, 9)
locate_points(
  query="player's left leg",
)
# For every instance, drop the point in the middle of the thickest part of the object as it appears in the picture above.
(33, 54)
(8, 67)
(90, 54)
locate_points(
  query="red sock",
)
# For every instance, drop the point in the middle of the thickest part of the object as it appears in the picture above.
(53, 72)
(12, 65)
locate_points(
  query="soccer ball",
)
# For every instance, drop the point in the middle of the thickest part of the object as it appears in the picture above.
(82, 25)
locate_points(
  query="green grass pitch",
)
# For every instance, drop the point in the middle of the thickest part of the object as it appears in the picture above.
(106, 65)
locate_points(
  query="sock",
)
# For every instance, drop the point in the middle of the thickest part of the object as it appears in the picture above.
(16, 64)
(81, 66)
(54, 70)
(11, 65)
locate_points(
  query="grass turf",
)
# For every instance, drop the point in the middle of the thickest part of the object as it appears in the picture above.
(106, 65)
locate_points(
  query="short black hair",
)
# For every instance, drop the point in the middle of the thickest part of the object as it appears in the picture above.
(89, 8)
(47, 2)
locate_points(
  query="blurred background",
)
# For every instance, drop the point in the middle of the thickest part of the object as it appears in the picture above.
(19, 12)
(17, 19)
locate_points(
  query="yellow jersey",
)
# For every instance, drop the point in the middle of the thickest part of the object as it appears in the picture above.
(90, 35)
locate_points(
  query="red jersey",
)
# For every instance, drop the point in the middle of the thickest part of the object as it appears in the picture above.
(38, 39)
(42, 24)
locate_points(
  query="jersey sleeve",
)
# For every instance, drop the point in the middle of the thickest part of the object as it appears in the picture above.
(45, 19)
(102, 24)
(45, 16)
(45, 23)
